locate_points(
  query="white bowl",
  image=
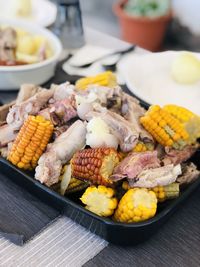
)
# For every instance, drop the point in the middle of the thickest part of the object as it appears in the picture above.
(11, 77)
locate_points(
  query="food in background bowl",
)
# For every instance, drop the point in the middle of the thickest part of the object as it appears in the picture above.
(20, 47)
(32, 53)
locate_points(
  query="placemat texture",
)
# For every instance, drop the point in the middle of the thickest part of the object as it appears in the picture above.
(64, 243)
(21, 214)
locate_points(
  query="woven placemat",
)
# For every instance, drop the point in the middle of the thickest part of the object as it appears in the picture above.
(22, 215)
(64, 243)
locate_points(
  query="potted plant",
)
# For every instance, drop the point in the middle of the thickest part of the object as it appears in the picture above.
(143, 22)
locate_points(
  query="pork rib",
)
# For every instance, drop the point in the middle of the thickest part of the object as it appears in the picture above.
(61, 111)
(134, 164)
(189, 175)
(60, 152)
(156, 177)
(19, 112)
(119, 127)
(132, 111)
(175, 157)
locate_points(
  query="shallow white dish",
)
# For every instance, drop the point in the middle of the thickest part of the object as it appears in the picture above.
(11, 77)
(149, 77)
(43, 12)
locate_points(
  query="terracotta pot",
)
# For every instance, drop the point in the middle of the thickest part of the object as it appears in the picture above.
(142, 31)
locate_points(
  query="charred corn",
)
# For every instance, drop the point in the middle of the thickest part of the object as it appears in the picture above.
(69, 184)
(106, 78)
(166, 129)
(31, 142)
(138, 204)
(188, 119)
(95, 165)
(100, 200)
(166, 192)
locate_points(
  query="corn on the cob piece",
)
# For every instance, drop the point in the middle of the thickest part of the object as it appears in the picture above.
(166, 192)
(106, 78)
(100, 200)
(69, 184)
(95, 165)
(162, 192)
(30, 143)
(167, 130)
(189, 120)
(142, 147)
(137, 204)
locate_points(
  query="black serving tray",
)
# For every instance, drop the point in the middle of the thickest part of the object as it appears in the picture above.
(116, 233)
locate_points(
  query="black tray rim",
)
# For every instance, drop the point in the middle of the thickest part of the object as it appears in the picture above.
(174, 203)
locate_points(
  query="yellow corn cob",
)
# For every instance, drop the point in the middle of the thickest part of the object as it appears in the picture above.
(106, 78)
(137, 204)
(95, 165)
(189, 120)
(69, 184)
(142, 147)
(167, 130)
(166, 192)
(100, 200)
(30, 143)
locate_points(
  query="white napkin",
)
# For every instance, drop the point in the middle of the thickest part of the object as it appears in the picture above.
(90, 53)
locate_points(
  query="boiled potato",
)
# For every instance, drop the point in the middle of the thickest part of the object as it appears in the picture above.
(26, 45)
(39, 41)
(186, 68)
(20, 33)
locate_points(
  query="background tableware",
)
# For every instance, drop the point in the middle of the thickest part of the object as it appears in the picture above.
(11, 77)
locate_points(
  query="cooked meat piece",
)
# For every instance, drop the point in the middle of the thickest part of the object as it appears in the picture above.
(105, 96)
(132, 111)
(189, 175)
(131, 166)
(19, 112)
(8, 43)
(4, 151)
(4, 112)
(156, 177)
(60, 152)
(62, 91)
(59, 130)
(119, 127)
(7, 134)
(175, 157)
(61, 111)
(26, 91)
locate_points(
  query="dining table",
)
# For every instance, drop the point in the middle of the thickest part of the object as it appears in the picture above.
(62, 242)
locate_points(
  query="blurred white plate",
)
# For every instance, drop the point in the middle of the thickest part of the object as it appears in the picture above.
(148, 76)
(43, 12)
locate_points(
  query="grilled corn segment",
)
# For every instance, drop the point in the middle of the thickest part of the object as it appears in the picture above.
(100, 200)
(95, 165)
(189, 120)
(69, 184)
(165, 128)
(31, 142)
(106, 78)
(166, 192)
(137, 204)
